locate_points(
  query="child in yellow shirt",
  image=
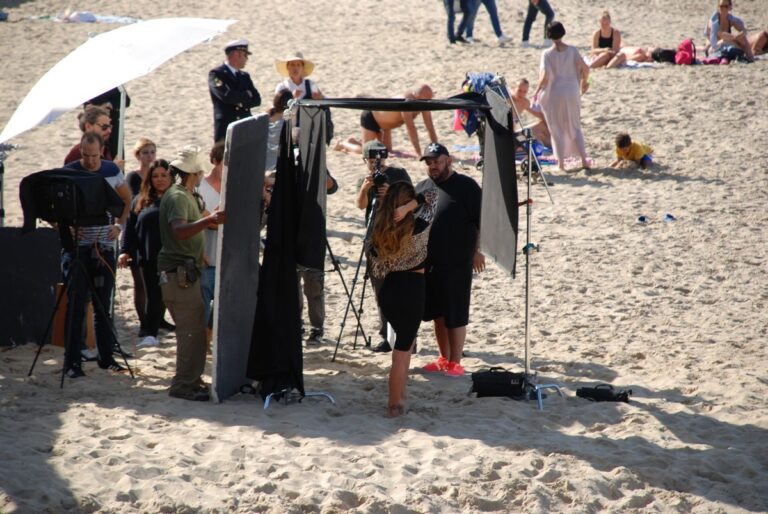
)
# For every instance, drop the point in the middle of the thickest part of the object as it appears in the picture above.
(627, 150)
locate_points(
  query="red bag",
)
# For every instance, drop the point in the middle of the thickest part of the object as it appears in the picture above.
(686, 52)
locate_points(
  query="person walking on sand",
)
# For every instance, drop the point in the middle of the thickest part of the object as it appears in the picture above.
(563, 78)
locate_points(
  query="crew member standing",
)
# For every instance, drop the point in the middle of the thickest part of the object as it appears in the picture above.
(453, 254)
(232, 91)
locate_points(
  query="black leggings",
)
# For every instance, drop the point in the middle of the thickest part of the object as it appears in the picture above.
(155, 305)
(401, 299)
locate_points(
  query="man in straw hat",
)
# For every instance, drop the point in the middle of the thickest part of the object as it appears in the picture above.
(180, 262)
(296, 68)
(232, 91)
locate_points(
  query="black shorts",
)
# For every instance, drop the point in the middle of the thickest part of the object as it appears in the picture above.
(368, 122)
(401, 299)
(448, 292)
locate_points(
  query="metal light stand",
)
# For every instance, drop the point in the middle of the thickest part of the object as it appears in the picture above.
(293, 395)
(530, 386)
(350, 304)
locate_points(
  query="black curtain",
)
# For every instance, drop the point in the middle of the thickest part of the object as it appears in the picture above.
(500, 210)
(310, 235)
(275, 358)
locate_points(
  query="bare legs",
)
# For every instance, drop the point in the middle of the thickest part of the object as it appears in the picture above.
(608, 60)
(759, 42)
(450, 341)
(398, 381)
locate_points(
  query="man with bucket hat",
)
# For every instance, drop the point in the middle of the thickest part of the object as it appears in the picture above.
(232, 91)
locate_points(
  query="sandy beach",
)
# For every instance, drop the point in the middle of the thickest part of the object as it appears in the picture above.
(674, 310)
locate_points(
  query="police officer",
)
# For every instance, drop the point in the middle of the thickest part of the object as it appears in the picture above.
(232, 92)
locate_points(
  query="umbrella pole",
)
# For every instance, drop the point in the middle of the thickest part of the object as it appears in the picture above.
(121, 125)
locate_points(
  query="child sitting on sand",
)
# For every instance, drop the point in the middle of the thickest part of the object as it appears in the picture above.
(627, 150)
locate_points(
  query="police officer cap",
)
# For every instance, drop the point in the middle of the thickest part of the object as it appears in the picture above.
(238, 44)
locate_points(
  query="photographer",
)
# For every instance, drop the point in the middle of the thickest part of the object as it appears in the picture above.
(375, 185)
(375, 156)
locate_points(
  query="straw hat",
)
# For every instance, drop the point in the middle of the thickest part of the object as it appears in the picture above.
(190, 160)
(282, 66)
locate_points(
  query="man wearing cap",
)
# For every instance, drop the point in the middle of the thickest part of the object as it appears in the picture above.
(232, 91)
(180, 262)
(365, 196)
(453, 254)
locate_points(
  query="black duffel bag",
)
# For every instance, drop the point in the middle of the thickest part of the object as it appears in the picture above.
(604, 393)
(498, 382)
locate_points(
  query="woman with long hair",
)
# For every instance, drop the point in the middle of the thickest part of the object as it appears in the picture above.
(141, 238)
(398, 250)
(144, 150)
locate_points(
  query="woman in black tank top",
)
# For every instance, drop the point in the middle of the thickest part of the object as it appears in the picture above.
(606, 42)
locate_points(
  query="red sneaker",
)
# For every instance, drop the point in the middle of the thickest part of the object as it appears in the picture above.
(436, 366)
(454, 369)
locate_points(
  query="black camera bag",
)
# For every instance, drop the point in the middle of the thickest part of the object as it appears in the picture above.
(604, 393)
(498, 382)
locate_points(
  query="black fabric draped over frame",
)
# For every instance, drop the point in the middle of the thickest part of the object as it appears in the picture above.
(276, 358)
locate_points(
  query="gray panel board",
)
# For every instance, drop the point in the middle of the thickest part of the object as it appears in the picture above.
(237, 271)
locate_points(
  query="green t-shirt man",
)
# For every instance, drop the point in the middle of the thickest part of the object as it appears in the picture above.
(179, 204)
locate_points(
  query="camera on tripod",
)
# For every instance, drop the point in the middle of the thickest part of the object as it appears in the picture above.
(377, 155)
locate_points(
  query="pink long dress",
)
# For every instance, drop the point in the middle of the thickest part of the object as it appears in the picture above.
(561, 103)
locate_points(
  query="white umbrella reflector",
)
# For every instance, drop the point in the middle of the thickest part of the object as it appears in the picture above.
(115, 57)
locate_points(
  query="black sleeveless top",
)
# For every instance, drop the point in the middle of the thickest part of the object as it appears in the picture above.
(605, 42)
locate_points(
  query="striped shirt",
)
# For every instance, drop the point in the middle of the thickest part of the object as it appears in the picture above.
(100, 233)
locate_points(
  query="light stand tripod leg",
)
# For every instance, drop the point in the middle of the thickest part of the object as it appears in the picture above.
(359, 328)
(350, 303)
(41, 342)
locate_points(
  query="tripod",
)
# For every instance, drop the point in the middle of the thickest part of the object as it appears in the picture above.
(368, 229)
(532, 389)
(77, 271)
(348, 293)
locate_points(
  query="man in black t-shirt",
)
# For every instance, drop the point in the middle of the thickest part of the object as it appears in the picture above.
(366, 193)
(453, 254)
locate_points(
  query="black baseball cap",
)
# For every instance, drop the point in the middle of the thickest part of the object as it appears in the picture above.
(434, 150)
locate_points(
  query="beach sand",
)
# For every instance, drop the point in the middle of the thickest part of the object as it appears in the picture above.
(676, 311)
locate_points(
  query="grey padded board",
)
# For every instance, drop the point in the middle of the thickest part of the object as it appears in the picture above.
(237, 270)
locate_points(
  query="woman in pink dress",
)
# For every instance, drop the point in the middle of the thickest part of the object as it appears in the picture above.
(562, 80)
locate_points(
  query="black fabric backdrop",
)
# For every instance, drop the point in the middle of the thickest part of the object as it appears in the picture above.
(276, 358)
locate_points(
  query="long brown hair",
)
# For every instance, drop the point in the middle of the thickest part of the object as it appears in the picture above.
(147, 193)
(390, 237)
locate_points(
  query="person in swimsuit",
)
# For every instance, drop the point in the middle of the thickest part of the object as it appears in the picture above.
(379, 124)
(519, 98)
(606, 42)
(723, 28)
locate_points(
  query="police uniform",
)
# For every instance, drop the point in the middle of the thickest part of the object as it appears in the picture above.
(232, 93)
